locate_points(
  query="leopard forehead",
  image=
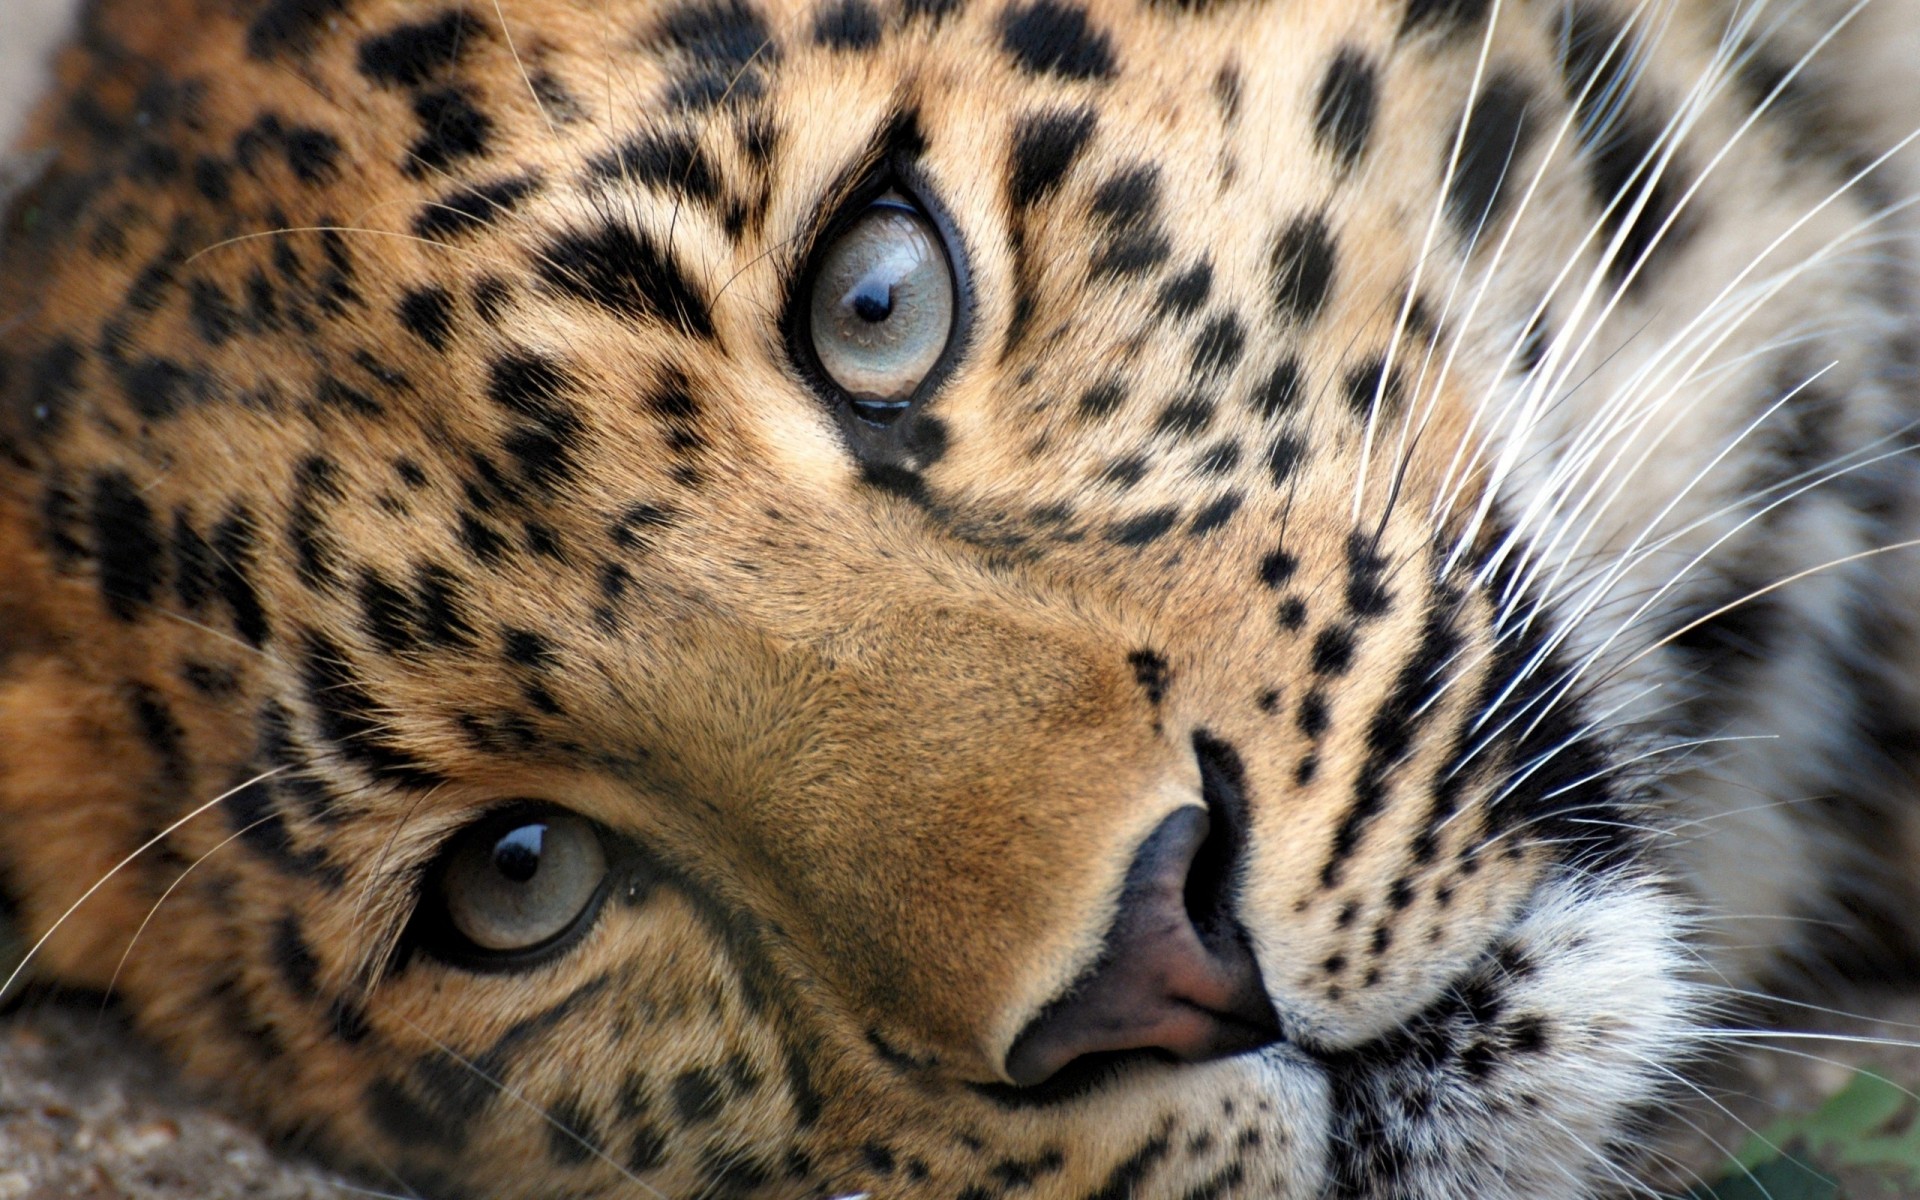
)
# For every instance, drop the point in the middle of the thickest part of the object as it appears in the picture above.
(406, 418)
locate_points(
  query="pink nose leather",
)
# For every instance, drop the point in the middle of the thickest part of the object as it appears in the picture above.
(1161, 984)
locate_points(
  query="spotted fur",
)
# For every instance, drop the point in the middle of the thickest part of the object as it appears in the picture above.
(1466, 442)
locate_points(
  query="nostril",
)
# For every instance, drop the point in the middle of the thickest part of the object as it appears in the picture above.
(1213, 876)
(1175, 976)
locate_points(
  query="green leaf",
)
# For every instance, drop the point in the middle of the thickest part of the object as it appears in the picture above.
(1781, 1179)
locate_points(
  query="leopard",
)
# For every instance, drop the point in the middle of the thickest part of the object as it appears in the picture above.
(963, 599)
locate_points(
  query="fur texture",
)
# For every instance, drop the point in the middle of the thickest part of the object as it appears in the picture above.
(1476, 432)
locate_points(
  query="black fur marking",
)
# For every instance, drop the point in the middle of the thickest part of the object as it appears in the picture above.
(427, 313)
(1304, 263)
(1333, 651)
(1102, 399)
(193, 563)
(52, 383)
(471, 209)
(1045, 147)
(1598, 62)
(351, 719)
(1448, 16)
(1285, 454)
(1217, 347)
(1183, 295)
(1344, 113)
(1496, 138)
(1281, 390)
(1127, 206)
(1051, 37)
(671, 161)
(698, 1096)
(1370, 382)
(126, 545)
(1186, 416)
(410, 55)
(233, 552)
(451, 129)
(847, 25)
(255, 815)
(290, 26)
(1278, 567)
(316, 487)
(312, 155)
(1145, 528)
(624, 271)
(212, 312)
(1125, 1180)
(1151, 672)
(1216, 514)
(386, 614)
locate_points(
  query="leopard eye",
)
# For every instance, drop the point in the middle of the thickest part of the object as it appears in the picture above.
(515, 884)
(882, 306)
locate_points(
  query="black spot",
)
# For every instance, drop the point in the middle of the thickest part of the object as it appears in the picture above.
(1127, 205)
(491, 295)
(1333, 651)
(572, 1138)
(1292, 614)
(1145, 528)
(1277, 567)
(1280, 391)
(52, 383)
(1600, 67)
(847, 25)
(1216, 514)
(1497, 135)
(451, 129)
(1151, 672)
(1045, 146)
(211, 178)
(299, 969)
(1304, 261)
(471, 209)
(1283, 456)
(290, 26)
(212, 312)
(126, 545)
(193, 563)
(316, 488)
(157, 388)
(1343, 115)
(526, 648)
(427, 313)
(1449, 16)
(697, 1096)
(162, 732)
(440, 609)
(410, 55)
(933, 10)
(625, 272)
(351, 719)
(1218, 347)
(233, 554)
(1219, 458)
(638, 523)
(1048, 37)
(526, 384)
(329, 391)
(725, 34)
(1370, 382)
(1186, 416)
(1102, 398)
(1312, 716)
(1125, 471)
(671, 161)
(386, 613)
(1183, 295)
(312, 154)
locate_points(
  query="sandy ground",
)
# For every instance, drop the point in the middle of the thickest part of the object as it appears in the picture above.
(87, 1112)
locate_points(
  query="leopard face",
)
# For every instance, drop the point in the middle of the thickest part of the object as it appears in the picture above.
(947, 598)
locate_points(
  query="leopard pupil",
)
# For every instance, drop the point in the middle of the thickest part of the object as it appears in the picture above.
(517, 855)
(871, 299)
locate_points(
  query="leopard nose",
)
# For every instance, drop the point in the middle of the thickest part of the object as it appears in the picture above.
(1175, 976)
